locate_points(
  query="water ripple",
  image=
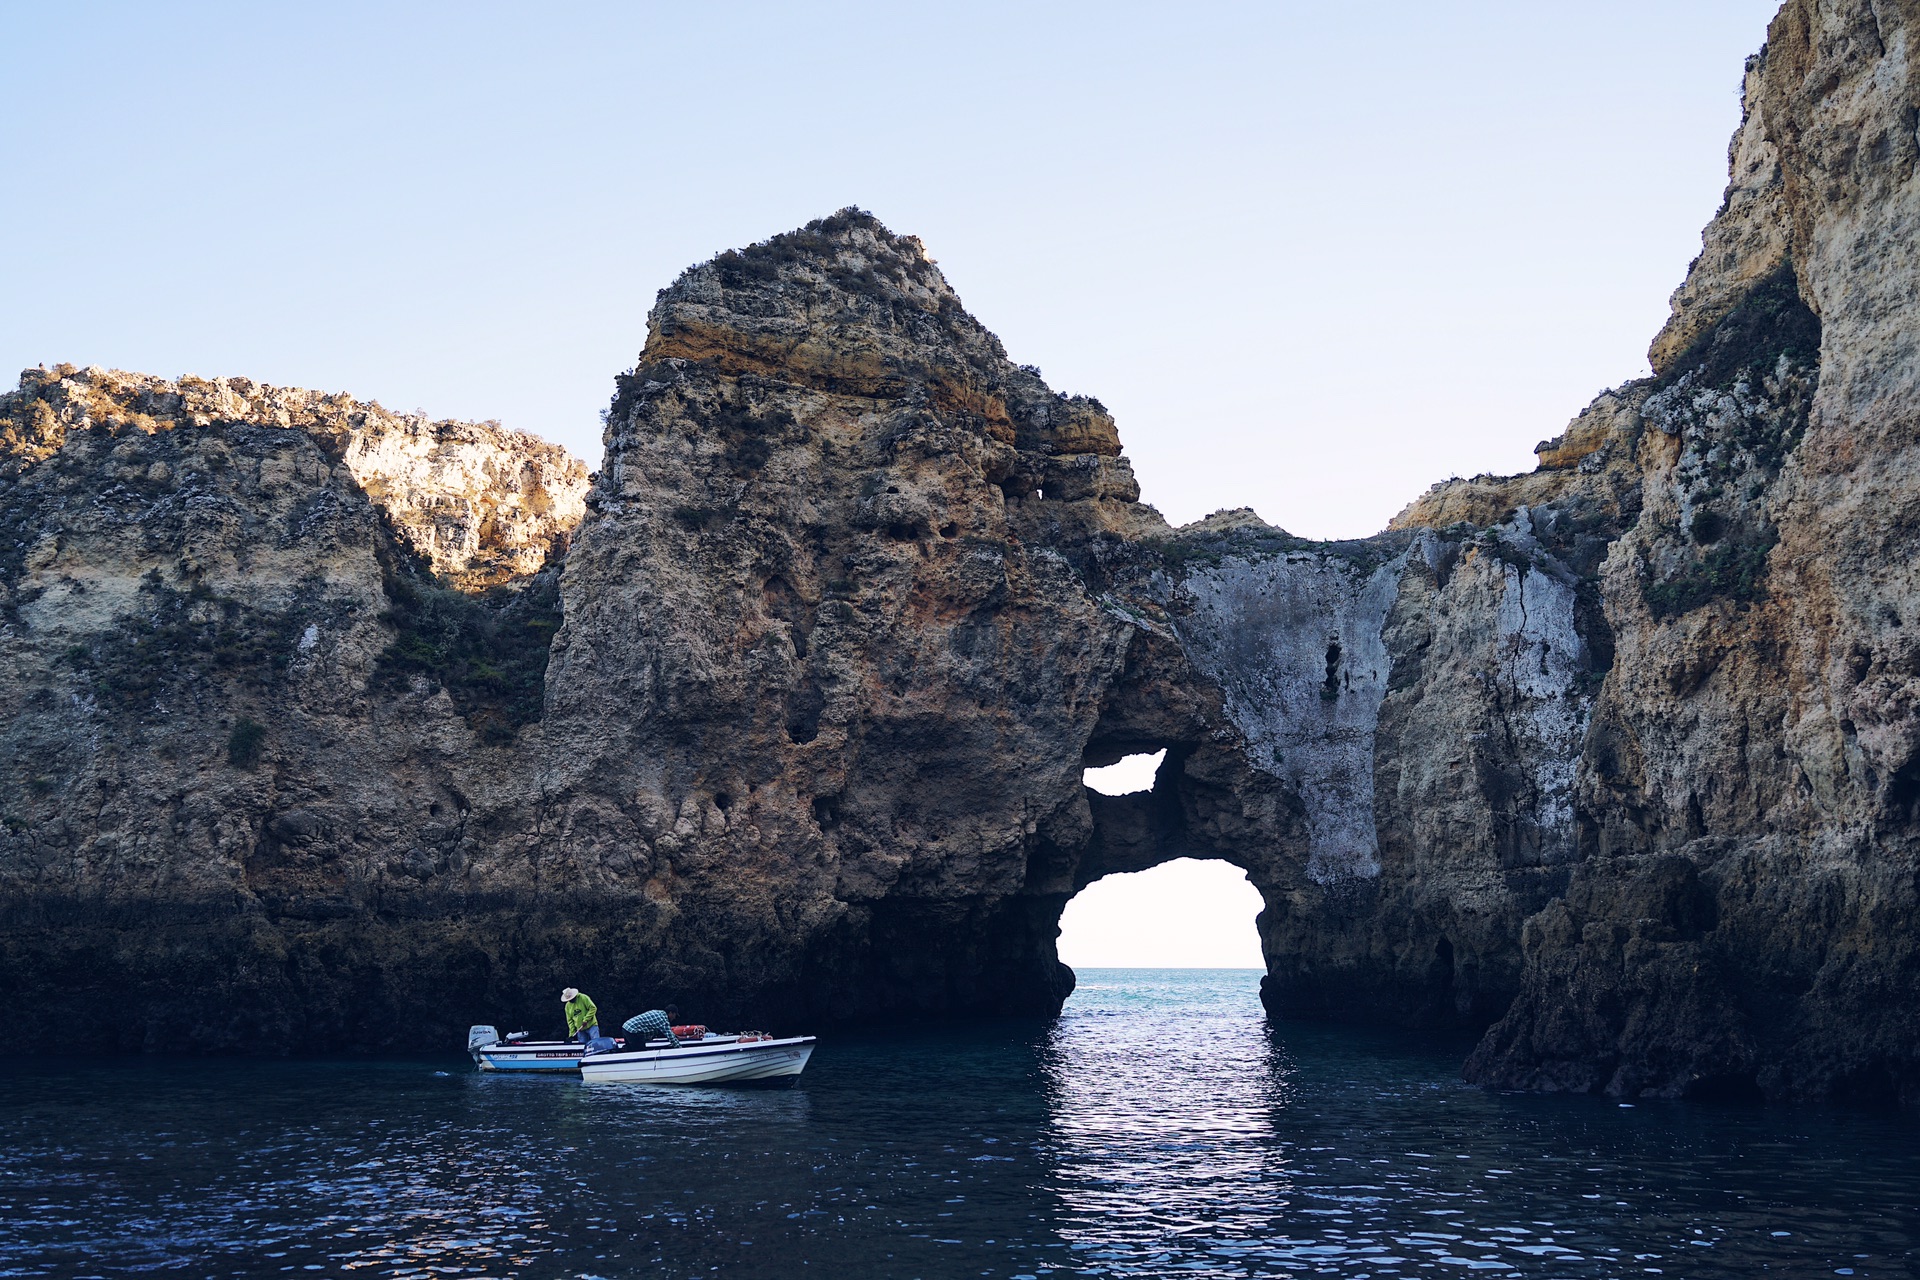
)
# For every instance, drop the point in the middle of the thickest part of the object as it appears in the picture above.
(1159, 1128)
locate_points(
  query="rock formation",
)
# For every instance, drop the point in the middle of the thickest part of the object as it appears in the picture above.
(1742, 917)
(323, 722)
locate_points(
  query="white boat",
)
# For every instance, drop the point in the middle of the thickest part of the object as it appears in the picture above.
(712, 1060)
(517, 1054)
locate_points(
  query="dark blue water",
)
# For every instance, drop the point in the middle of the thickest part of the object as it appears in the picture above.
(1159, 1128)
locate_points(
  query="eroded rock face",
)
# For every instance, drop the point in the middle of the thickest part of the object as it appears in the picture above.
(480, 505)
(326, 721)
(246, 735)
(828, 666)
(1742, 922)
(853, 603)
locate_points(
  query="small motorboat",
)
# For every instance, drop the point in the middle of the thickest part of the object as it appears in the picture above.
(495, 1052)
(712, 1059)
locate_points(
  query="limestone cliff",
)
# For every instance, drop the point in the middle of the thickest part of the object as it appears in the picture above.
(242, 694)
(325, 721)
(1743, 921)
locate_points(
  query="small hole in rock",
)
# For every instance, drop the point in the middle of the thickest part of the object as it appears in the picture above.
(826, 811)
(1128, 776)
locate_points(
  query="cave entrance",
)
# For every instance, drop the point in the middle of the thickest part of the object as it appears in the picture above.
(1186, 913)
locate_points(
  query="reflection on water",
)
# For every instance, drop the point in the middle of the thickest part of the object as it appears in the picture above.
(1191, 1138)
(1165, 1101)
(1158, 1128)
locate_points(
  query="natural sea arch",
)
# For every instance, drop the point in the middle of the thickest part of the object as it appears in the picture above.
(1170, 789)
(1191, 910)
(1159, 786)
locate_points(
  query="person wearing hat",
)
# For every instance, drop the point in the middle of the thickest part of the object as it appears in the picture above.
(583, 1020)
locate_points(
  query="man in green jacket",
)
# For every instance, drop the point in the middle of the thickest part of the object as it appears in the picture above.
(583, 1020)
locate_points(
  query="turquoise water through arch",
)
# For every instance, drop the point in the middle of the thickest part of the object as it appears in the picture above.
(1160, 1127)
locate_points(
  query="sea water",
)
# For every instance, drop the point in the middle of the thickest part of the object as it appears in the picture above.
(1159, 1127)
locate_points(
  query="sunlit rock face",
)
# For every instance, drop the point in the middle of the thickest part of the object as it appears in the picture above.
(327, 722)
(829, 665)
(256, 708)
(1742, 923)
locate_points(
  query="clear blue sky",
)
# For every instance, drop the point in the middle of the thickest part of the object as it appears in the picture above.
(1314, 256)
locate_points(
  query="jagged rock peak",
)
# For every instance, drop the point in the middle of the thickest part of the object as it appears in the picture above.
(480, 504)
(850, 250)
(844, 305)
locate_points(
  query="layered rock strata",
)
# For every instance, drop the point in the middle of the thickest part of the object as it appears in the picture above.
(1743, 920)
(244, 697)
(325, 723)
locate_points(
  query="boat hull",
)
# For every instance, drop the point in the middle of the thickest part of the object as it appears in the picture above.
(529, 1058)
(703, 1063)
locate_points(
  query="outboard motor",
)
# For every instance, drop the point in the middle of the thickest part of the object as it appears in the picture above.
(481, 1037)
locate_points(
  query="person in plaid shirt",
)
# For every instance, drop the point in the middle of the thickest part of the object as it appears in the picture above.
(654, 1024)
